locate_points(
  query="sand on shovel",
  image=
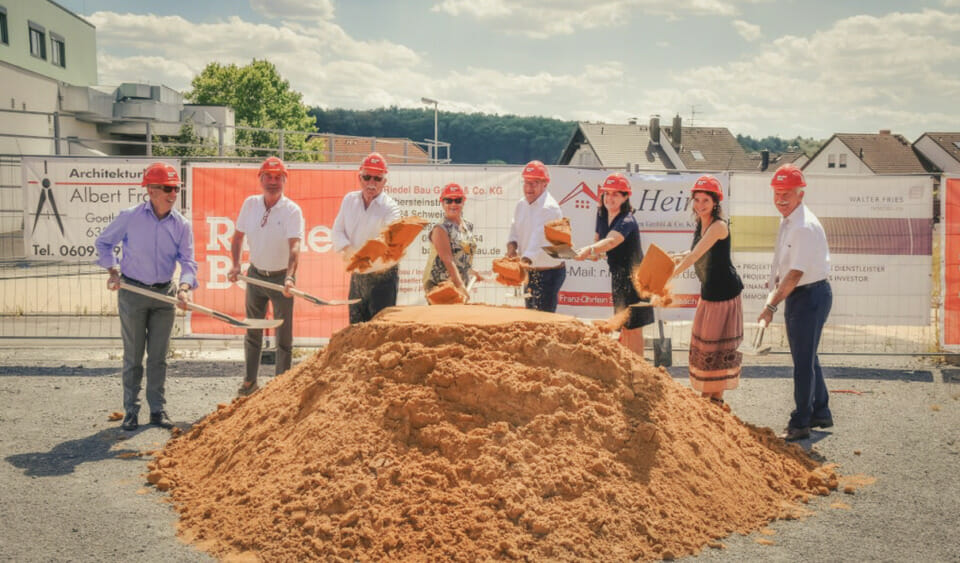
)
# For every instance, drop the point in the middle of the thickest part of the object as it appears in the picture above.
(471, 433)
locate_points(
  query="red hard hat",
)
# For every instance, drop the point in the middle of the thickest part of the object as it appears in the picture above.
(453, 190)
(708, 184)
(160, 173)
(273, 165)
(617, 182)
(787, 177)
(535, 170)
(374, 162)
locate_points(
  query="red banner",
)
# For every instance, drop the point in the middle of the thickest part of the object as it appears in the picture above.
(218, 192)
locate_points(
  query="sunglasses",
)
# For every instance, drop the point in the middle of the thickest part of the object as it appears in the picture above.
(263, 222)
(449, 200)
(168, 189)
(368, 177)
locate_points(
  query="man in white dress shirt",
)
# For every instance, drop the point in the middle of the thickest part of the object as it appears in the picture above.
(798, 278)
(273, 226)
(363, 215)
(545, 275)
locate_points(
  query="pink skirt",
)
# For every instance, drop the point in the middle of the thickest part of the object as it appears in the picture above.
(716, 335)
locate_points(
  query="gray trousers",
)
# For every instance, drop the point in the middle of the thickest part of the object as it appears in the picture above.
(257, 299)
(145, 324)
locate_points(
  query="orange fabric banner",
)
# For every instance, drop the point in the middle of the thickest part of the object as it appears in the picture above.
(217, 194)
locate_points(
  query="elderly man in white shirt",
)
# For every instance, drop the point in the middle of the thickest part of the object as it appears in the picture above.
(545, 275)
(363, 215)
(801, 264)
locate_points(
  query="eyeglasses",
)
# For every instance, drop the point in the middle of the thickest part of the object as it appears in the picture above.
(168, 189)
(368, 177)
(263, 222)
(449, 200)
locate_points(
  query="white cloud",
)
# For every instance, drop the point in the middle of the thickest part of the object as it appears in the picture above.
(541, 19)
(747, 30)
(294, 9)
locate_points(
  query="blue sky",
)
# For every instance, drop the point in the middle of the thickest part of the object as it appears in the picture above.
(757, 67)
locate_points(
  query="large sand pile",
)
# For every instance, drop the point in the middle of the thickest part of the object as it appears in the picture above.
(470, 433)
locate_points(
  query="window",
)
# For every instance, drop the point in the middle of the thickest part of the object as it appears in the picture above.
(4, 36)
(58, 50)
(38, 40)
(843, 161)
(956, 144)
(831, 161)
(697, 155)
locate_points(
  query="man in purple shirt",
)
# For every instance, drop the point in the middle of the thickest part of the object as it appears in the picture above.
(154, 237)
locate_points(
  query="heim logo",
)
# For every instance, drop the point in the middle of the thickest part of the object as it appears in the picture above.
(583, 197)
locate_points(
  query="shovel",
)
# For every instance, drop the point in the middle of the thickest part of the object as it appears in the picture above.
(756, 347)
(662, 349)
(297, 293)
(560, 251)
(246, 324)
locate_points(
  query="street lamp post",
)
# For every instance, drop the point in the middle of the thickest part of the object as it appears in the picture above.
(433, 147)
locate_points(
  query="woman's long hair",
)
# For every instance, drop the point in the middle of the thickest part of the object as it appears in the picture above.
(716, 212)
(624, 207)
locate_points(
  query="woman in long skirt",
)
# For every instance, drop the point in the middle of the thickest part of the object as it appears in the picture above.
(718, 323)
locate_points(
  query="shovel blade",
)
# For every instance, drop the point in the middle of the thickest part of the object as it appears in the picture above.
(663, 352)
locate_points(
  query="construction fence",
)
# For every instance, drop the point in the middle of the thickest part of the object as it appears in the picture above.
(886, 249)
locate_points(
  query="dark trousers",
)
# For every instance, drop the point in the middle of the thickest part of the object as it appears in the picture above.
(806, 312)
(257, 299)
(543, 287)
(375, 291)
(145, 325)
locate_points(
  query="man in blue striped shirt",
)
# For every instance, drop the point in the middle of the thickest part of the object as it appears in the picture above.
(154, 238)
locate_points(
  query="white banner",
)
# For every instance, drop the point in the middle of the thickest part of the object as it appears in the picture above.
(880, 230)
(69, 201)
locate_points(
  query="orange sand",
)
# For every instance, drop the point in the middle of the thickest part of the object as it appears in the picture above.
(474, 433)
(558, 231)
(445, 293)
(389, 246)
(509, 271)
(653, 273)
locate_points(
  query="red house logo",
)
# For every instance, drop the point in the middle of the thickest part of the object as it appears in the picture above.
(583, 197)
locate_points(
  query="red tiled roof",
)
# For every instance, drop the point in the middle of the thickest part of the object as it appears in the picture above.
(883, 153)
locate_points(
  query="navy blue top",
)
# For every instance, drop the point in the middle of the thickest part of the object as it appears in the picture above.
(628, 253)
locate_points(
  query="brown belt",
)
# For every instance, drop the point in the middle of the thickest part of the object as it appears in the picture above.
(547, 268)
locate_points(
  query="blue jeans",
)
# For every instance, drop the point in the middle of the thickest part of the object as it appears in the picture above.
(806, 312)
(543, 287)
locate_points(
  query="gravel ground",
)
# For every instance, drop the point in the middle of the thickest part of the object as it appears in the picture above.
(73, 487)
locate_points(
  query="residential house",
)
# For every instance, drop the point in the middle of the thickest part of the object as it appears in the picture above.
(349, 149)
(865, 153)
(940, 150)
(655, 147)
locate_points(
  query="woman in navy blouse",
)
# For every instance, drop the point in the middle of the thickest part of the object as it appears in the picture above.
(618, 235)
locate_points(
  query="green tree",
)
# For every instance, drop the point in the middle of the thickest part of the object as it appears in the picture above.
(260, 98)
(187, 143)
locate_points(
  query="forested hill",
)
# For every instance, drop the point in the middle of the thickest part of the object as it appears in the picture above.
(479, 138)
(476, 138)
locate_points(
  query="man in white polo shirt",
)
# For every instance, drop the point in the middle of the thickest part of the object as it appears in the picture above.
(363, 215)
(273, 226)
(545, 275)
(798, 278)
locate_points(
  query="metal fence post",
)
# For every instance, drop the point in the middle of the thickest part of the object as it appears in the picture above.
(56, 132)
(281, 145)
(220, 139)
(149, 138)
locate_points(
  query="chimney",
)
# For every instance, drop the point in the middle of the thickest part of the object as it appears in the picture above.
(764, 160)
(632, 121)
(884, 131)
(655, 129)
(675, 131)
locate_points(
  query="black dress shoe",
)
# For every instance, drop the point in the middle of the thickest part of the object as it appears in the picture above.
(821, 422)
(161, 419)
(130, 422)
(792, 434)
